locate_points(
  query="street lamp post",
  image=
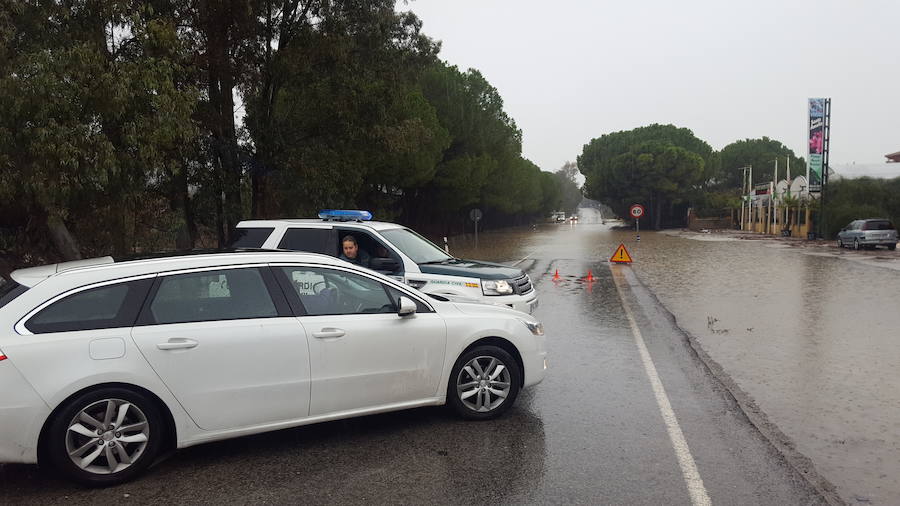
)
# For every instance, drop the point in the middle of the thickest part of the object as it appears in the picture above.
(744, 191)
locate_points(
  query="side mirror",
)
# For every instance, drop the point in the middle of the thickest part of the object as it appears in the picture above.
(384, 264)
(406, 307)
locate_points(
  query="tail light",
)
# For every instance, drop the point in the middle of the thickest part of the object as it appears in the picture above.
(2, 356)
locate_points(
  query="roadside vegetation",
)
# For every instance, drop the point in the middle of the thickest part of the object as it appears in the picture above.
(130, 126)
(669, 170)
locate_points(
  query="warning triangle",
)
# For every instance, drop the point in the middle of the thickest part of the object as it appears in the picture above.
(621, 255)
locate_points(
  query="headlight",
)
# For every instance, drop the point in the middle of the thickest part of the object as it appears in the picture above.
(501, 287)
(536, 328)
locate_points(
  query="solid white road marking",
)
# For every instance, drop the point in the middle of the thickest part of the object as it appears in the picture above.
(688, 468)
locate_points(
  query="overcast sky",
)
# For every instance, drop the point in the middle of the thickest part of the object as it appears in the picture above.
(570, 71)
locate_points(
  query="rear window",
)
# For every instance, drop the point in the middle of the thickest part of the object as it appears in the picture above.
(9, 290)
(249, 237)
(878, 225)
(313, 240)
(104, 307)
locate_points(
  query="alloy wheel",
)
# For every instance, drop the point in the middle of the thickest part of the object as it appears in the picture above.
(107, 436)
(483, 384)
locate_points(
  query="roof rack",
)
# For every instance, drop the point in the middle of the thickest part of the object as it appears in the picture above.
(345, 215)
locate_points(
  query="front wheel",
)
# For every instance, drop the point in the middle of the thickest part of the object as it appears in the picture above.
(892, 247)
(840, 243)
(105, 437)
(484, 383)
(856, 244)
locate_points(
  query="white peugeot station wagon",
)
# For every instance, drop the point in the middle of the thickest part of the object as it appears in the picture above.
(105, 364)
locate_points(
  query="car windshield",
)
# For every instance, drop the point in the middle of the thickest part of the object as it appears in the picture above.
(878, 225)
(416, 247)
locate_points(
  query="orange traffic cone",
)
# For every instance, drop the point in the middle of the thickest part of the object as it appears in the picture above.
(590, 276)
(556, 276)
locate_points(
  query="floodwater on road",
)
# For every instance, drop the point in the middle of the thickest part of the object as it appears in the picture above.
(810, 334)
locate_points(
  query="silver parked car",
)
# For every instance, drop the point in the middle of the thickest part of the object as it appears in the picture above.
(868, 234)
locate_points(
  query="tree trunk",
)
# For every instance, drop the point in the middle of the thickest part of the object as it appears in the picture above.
(180, 203)
(62, 240)
(220, 73)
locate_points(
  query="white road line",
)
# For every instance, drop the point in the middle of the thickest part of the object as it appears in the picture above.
(523, 259)
(692, 479)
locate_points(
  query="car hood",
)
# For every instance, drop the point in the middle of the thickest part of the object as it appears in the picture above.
(472, 269)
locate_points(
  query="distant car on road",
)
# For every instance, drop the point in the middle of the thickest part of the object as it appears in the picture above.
(106, 364)
(868, 234)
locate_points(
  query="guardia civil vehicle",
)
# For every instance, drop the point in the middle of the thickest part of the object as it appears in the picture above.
(396, 251)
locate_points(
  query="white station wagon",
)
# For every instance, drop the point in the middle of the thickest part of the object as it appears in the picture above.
(104, 364)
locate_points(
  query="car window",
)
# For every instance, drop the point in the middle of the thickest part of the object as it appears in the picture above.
(878, 225)
(104, 307)
(313, 240)
(372, 247)
(9, 290)
(211, 295)
(249, 237)
(330, 292)
(416, 247)
(420, 306)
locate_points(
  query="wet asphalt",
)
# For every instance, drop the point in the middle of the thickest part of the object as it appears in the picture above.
(591, 433)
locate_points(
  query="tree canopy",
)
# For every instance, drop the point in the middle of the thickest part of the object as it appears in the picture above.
(660, 166)
(130, 126)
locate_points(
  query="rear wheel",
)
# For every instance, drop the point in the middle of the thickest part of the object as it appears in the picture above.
(105, 437)
(892, 247)
(484, 383)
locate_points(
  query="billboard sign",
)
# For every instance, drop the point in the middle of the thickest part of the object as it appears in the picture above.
(816, 143)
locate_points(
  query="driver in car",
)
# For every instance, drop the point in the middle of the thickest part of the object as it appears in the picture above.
(352, 253)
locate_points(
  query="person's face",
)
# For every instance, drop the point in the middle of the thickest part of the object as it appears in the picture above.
(350, 249)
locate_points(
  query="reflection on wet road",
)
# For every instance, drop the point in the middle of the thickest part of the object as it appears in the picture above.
(591, 433)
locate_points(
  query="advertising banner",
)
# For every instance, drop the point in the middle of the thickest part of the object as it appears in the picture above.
(816, 142)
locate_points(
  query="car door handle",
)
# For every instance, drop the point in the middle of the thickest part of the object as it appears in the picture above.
(329, 332)
(177, 343)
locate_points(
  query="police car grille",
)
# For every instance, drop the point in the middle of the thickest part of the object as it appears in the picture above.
(523, 285)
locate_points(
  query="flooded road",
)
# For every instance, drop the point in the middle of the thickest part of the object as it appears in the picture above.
(808, 334)
(627, 414)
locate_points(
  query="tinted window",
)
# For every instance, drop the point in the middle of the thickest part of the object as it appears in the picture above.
(878, 225)
(9, 290)
(313, 240)
(420, 306)
(327, 292)
(104, 307)
(249, 237)
(211, 295)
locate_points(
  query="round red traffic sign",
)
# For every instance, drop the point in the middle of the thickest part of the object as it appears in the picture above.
(636, 211)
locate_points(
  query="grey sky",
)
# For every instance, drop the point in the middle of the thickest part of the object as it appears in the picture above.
(569, 71)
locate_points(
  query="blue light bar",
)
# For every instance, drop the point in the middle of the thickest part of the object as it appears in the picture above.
(345, 215)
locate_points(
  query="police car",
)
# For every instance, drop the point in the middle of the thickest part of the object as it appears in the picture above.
(396, 251)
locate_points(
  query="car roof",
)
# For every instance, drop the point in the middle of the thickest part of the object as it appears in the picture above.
(317, 223)
(105, 268)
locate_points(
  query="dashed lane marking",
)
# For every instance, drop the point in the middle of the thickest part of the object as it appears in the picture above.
(692, 479)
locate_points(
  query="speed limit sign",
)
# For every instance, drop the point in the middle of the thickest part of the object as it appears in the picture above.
(636, 211)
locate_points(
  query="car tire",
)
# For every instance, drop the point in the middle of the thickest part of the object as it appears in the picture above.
(892, 247)
(856, 244)
(79, 448)
(484, 383)
(840, 243)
